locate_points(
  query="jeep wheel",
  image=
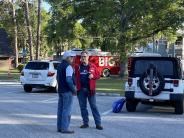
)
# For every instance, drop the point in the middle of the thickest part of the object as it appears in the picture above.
(131, 105)
(27, 88)
(179, 107)
(106, 73)
(151, 82)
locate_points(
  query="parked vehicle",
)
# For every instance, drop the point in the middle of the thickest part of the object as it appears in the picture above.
(156, 80)
(106, 63)
(39, 74)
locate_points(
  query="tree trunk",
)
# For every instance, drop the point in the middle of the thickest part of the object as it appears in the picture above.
(122, 44)
(30, 39)
(15, 34)
(122, 56)
(38, 31)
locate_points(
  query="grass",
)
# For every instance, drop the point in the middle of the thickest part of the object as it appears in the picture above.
(111, 85)
(12, 75)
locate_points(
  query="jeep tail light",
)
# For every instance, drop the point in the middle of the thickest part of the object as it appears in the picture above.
(175, 83)
(130, 80)
(22, 73)
(50, 74)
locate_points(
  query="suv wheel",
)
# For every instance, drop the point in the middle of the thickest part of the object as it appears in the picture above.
(27, 88)
(179, 107)
(53, 89)
(131, 105)
(56, 89)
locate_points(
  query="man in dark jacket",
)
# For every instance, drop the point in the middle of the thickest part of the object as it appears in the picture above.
(86, 76)
(66, 90)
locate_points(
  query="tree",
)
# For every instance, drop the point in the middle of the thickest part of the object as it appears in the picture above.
(139, 18)
(38, 30)
(128, 20)
(15, 33)
(61, 26)
(27, 19)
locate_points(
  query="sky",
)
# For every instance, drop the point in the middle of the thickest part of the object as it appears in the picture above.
(46, 6)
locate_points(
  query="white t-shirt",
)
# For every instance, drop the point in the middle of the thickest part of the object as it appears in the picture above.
(69, 71)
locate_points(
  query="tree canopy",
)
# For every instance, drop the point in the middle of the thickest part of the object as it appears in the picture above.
(112, 25)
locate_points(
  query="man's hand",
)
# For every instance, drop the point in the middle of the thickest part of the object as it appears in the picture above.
(90, 76)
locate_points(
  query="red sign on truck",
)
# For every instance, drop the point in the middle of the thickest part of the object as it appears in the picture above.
(104, 61)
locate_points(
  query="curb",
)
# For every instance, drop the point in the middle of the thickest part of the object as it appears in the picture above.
(9, 83)
(108, 94)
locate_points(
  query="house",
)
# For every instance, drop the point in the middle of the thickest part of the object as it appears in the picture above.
(161, 47)
(5, 50)
(177, 49)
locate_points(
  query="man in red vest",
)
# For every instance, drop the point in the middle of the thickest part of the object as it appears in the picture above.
(86, 75)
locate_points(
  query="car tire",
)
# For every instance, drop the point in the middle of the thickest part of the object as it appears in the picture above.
(27, 88)
(131, 105)
(106, 73)
(56, 89)
(53, 89)
(179, 107)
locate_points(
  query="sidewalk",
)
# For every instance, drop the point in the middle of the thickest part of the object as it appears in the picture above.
(9, 82)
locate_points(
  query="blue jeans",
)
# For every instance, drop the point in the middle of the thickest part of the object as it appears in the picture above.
(82, 97)
(64, 110)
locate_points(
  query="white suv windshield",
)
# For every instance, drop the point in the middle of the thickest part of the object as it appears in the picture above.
(37, 66)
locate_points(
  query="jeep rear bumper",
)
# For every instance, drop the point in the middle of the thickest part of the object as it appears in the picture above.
(160, 97)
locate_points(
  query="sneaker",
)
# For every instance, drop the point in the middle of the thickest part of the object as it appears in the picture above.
(67, 131)
(84, 126)
(99, 127)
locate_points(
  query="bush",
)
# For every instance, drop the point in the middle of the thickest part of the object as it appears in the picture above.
(20, 67)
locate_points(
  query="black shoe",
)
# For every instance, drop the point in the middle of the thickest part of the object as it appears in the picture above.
(84, 126)
(67, 132)
(99, 127)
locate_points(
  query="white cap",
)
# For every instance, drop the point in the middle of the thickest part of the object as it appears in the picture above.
(68, 54)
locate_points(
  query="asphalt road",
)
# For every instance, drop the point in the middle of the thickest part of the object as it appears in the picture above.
(33, 115)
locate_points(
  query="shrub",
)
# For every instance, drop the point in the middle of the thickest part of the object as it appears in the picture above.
(20, 67)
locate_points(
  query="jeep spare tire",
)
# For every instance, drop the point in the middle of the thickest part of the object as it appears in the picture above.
(151, 82)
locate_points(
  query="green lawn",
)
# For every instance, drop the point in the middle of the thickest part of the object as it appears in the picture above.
(13, 75)
(107, 85)
(111, 85)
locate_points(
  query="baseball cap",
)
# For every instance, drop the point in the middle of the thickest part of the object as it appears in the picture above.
(68, 54)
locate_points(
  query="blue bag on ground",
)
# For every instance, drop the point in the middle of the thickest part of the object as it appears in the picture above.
(118, 105)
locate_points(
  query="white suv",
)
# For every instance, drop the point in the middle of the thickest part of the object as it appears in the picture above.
(39, 74)
(155, 80)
